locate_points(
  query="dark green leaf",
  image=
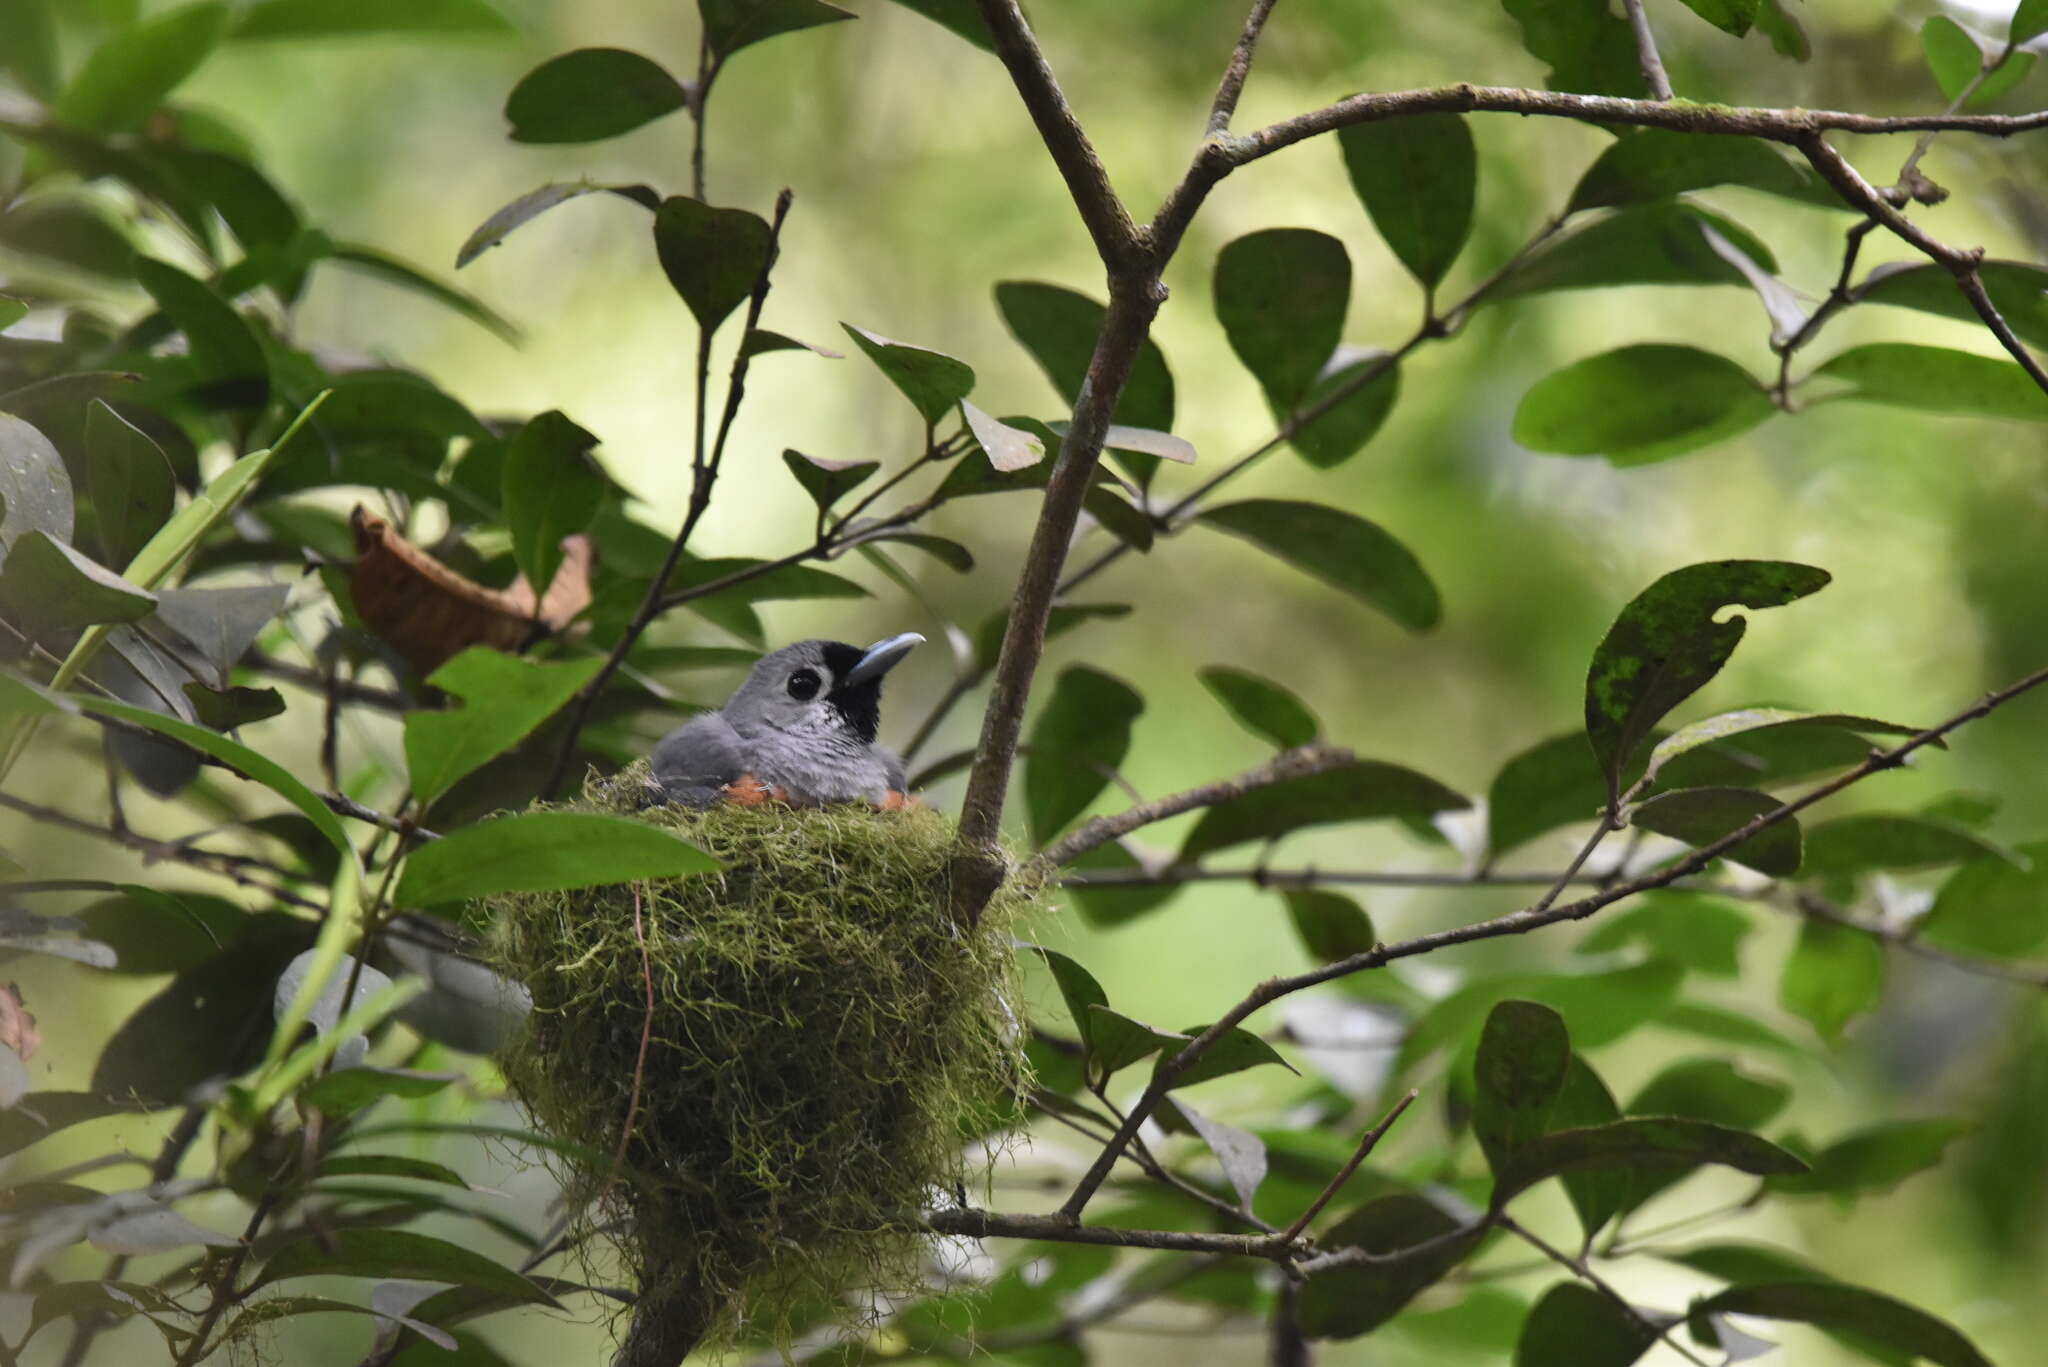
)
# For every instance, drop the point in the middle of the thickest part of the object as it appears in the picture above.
(1598, 1008)
(1111, 905)
(388, 1253)
(1702, 816)
(1340, 548)
(1937, 380)
(1340, 431)
(931, 380)
(947, 552)
(78, 233)
(1952, 55)
(1993, 906)
(1711, 1089)
(1730, 16)
(1640, 404)
(1416, 178)
(130, 481)
(730, 25)
(1576, 1326)
(393, 271)
(1750, 720)
(1331, 925)
(277, 19)
(1653, 1143)
(1079, 739)
(1281, 295)
(1115, 1041)
(152, 931)
(787, 582)
(345, 1091)
(1723, 1026)
(1584, 1102)
(1058, 326)
(1366, 790)
(1858, 844)
(1644, 244)
(1524, 1054)
(503, 700)
(87, 1301)
(1831, 1305)
(762, 342)
(711, 256)
(533, 204)
(1777, 23)
(552, 489)
(229, 359)
(41, 1114)
(539, 851)
(1586, 45)
(1701, 932)
(1875, 1159)
(1078, 988)
(826, 481)
(1349, 1301)
(1666, 644)
(1236, 1051)
(958, 15)
(1065, 617)
(210, 1022)
(28, 46)
(1656, 163)
(1261, 706)
(591, 94)
(227, 709)
(220, 624)
(2018, 289)
(49, 590)
(1833, 975)
(1553, 783)
(131, 73)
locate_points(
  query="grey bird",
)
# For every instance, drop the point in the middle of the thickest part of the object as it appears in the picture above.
(801, 730)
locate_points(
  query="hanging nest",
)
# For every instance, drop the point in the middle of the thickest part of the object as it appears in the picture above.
(826, 1049)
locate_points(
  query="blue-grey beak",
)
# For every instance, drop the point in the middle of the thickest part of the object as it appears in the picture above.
(880, 658)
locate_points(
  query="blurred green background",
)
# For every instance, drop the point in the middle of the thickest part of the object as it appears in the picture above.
(919, 184)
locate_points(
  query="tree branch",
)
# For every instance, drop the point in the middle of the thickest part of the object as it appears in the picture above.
(1646, 50)
(1336, 1184)
(1232, 86)
(1297, 763)
(1513, 923)
(1262, 877)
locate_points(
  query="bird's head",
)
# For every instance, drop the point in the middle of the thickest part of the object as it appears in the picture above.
(818, 686)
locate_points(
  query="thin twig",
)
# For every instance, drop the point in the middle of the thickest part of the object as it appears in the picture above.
(1289, 1343)
(1646, 51)
(1336, 1184)
(1290, 764)
(1579, 1268)
(1232, 85)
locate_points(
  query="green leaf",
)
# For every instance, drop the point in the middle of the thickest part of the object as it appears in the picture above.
(1584, 1102)
(762, 342)
(591, 94)
(284, 19)
(2018, 289)
(949, 553)
(1331, 925)
(787, 582)
(711, 256)
(133, 71)
(1078, 989)
(1656, 163)
(1007, 448)
(1339, 548)
(1952, 55)
(1711, 1089)
(1261, 706)
(542, 851)
(229, 709)
(1992, 906)
(1416, 178)
(387, 1253)
(130, 480)
(1112, 905)
(1937, 380)
(1524, 1054)
(1576, 1326)
(1081, 735)
(1347, 1302)
(1058, 326)
(504, 700)
(1115, 1041)
(1872, 840)
(1833, 975)
(1598, 1008)
(534, 203)
(1723, 1026)
(42, 1114)
(229, 359)
(1365, 790)
(393, 271)
(730, 25)
(1730, 16)
(552, 489)
(1658, 243)
(960, 16)
(1703, 933)
(153, 932)
(1750, 720)
(1236, 1051)
(12, 311)
(1553, 783)
(1281, 295)
(1830, 1305)
(49, 590)
(827, 481)
(1335, 435)
(345, 1091)
(1875, 1159)
(931, 380)
(1777, 23)
(2029, 21)
(1701, 816)
(1586, 45)
(1640, 404)
(1666, 644)
(28, 46)
(1652, 1143)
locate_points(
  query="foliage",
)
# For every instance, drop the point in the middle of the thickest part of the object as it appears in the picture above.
(355, 634)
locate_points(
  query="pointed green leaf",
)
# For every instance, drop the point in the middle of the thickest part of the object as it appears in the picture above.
(1576, 1326)
(1586, 44)
(533, 204)
(1080, 737)
(591, 94)
(1658, 243)
(551, 489)
(1115, 1041)
(1877, 1158)
(1281, 295)
(711, 256)
(1640, 404)
(388, 1253)
(504, 699)
(1730, 16)
(1749, 720)
(49, 590)
(730, 25)
(827, 481)
(286, 19)
(1339, 548)
(1952, 55)
(1365, 790)
(1059, 326)
(1236, 1051)
(130, 480)
(1877, 840)
(960, 16)
(1524, 1054)
(541, 851)
(1261, 706)
(1347, 1302)
(1701, 816)
(136, 68)
(1937, 380)
(2018, 289)
(1654, 1143)
(1656, 163)
(1416, 178)
(1834, 974)
(1830, 1305)
(230, 361)
(1331, 926)
(931, 380)
(1078, 989)
(1992, 906)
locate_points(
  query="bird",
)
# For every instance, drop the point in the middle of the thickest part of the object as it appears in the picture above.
(800, 730)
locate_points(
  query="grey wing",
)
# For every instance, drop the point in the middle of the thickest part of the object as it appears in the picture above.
(697, 759)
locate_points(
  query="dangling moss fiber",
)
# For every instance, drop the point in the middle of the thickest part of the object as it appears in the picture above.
(827, 1047)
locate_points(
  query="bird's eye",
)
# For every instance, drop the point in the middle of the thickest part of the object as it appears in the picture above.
(803, 685)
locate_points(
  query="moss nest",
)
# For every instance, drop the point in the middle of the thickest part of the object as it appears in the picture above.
(826, 1048)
